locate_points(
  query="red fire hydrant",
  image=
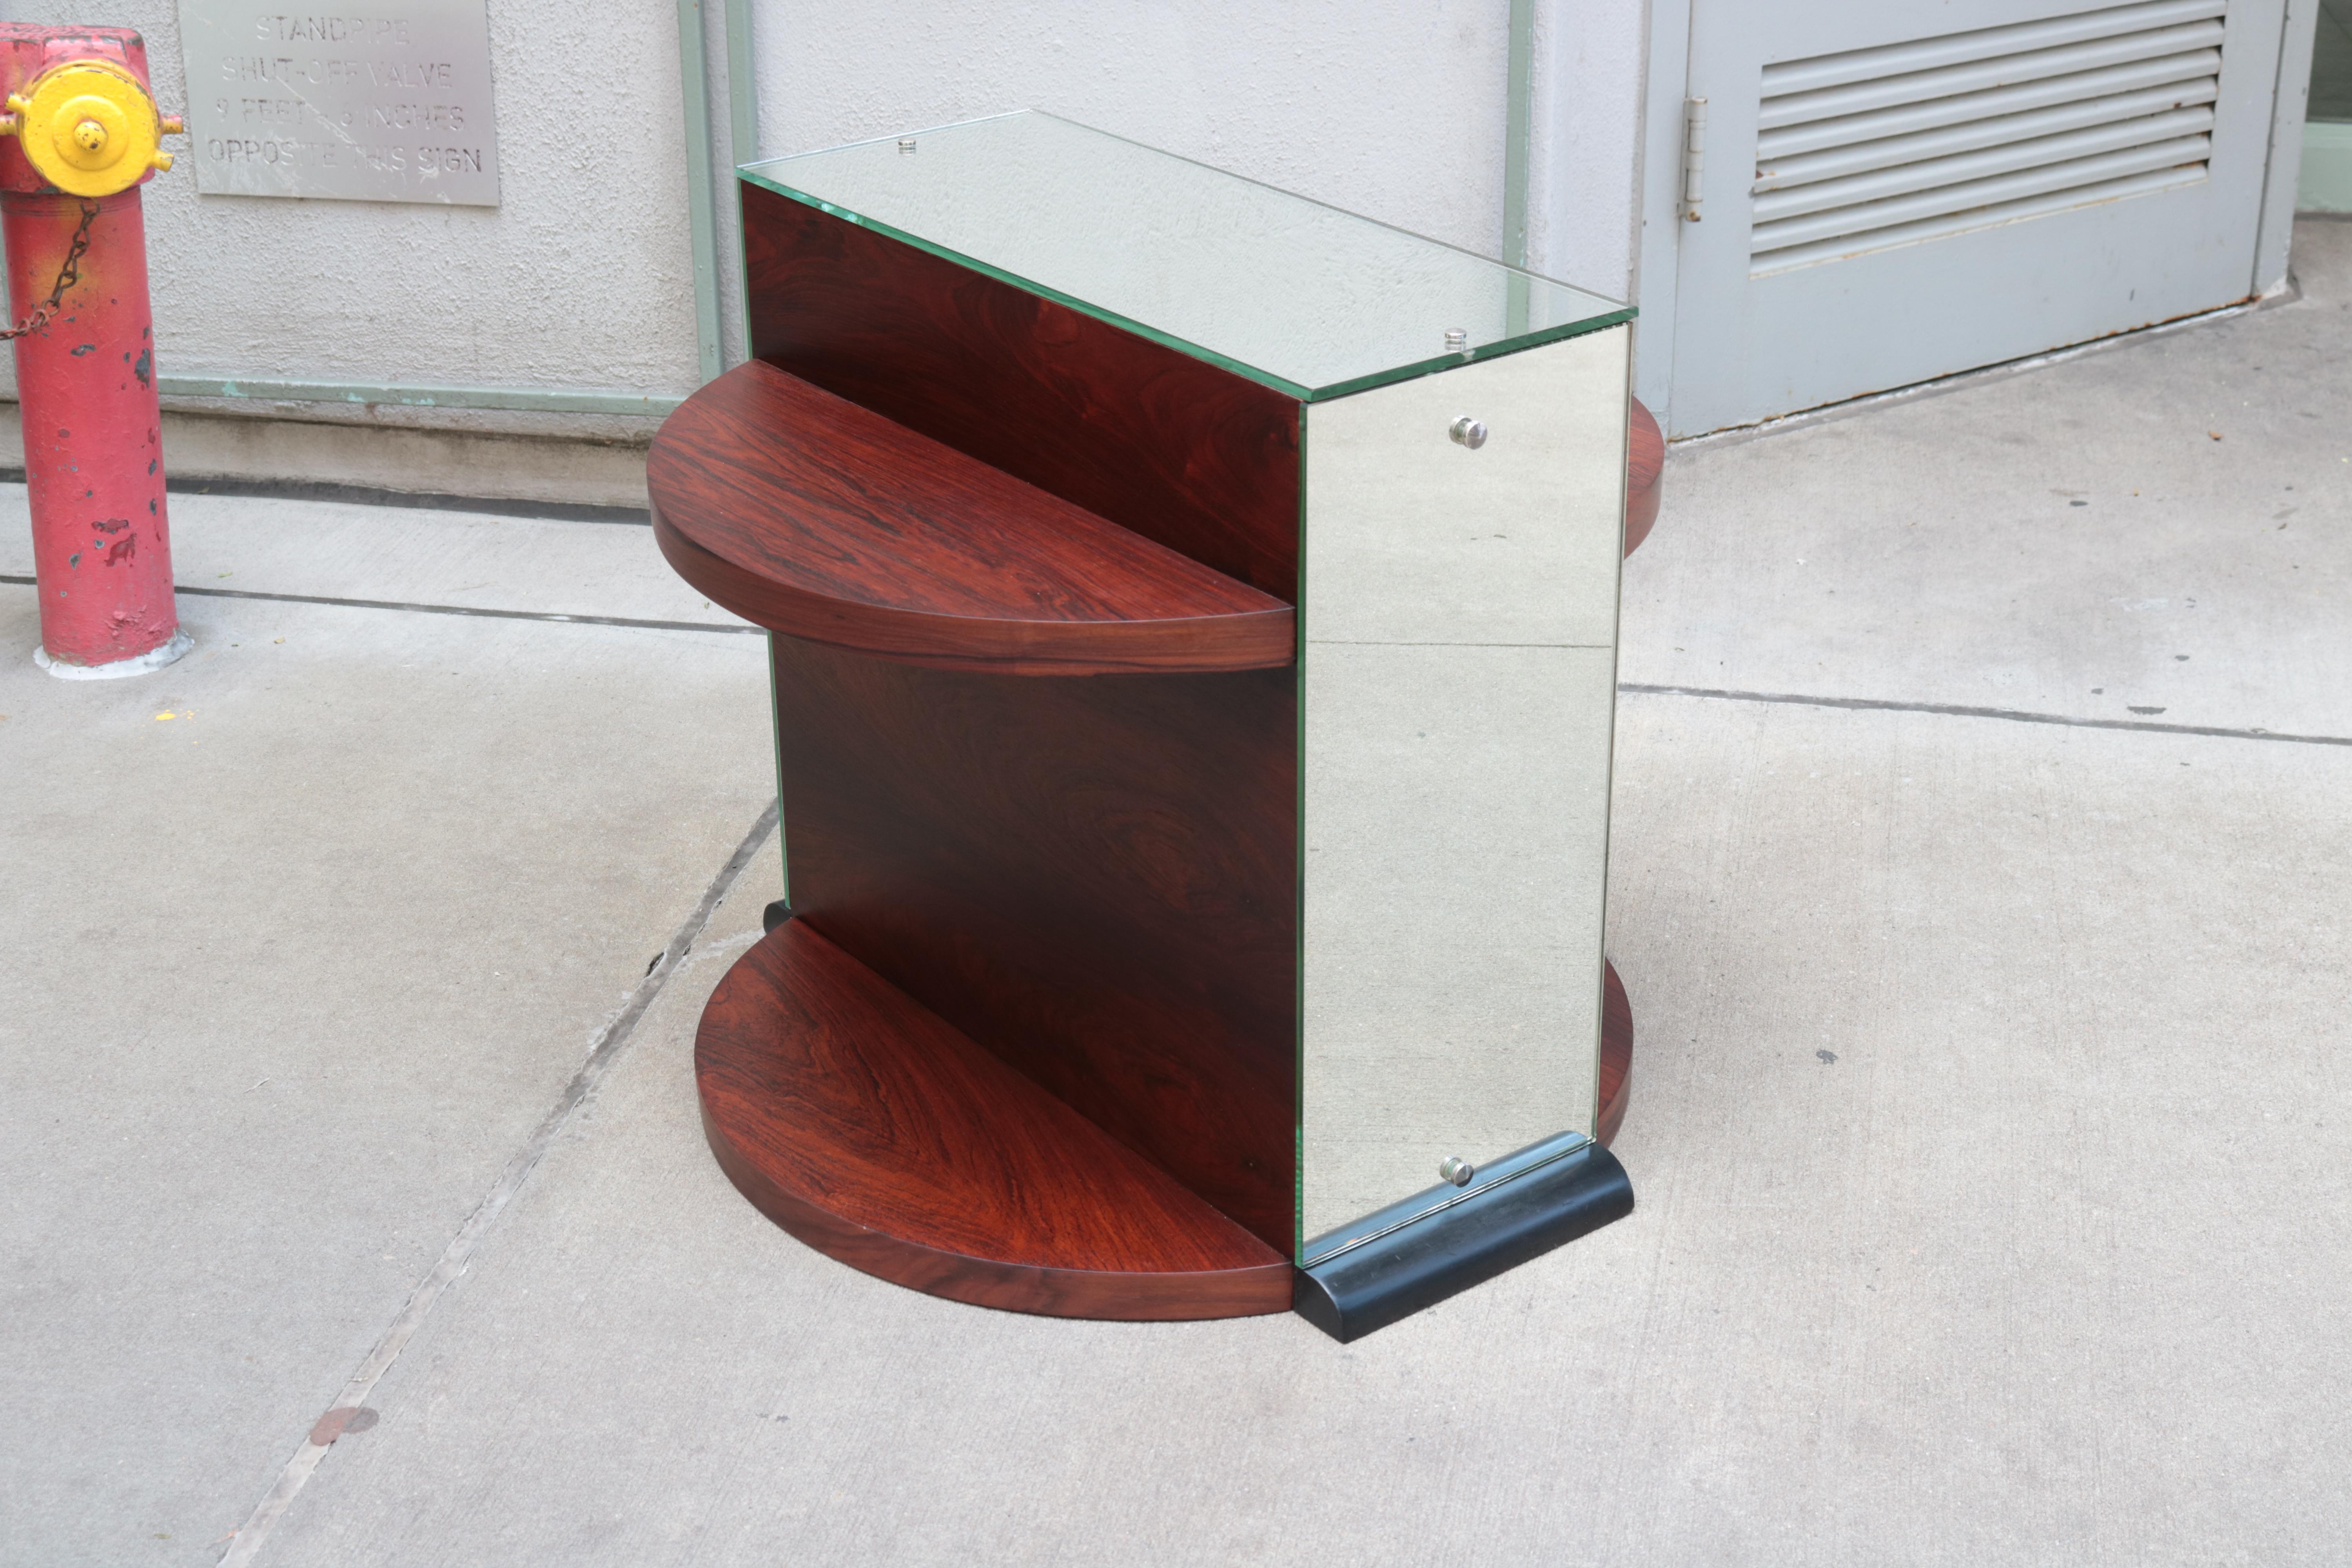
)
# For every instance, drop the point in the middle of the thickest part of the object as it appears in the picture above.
(80, 135)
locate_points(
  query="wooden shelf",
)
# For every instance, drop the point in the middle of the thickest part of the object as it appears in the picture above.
(820, 518)
(1645, 462)
(875, 1133)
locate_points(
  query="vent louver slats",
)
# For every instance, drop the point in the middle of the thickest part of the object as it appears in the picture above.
(1853, 128)
(1874, 148)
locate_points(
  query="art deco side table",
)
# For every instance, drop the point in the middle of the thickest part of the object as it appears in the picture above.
(1195, 620)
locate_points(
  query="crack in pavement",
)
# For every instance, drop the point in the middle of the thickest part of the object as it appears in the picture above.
(606, 1050)
(1962, 711)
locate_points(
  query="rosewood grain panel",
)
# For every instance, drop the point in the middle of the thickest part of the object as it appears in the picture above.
(1616, 1055)
(1095, 880)
(818, 517)
(1193, 457)
(867, 1126)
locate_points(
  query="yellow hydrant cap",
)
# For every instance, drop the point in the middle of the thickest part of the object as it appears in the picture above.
(89, 128)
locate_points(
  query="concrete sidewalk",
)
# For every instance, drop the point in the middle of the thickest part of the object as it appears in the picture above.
(1978, 882)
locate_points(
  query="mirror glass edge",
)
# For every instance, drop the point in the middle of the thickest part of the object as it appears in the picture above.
(760, 174)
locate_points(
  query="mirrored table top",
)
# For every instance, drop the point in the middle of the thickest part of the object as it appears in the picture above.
(1304, 298)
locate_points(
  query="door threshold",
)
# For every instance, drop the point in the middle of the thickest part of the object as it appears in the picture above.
(2286, 291)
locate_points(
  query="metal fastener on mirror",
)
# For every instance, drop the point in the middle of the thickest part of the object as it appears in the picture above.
(1456, 340)
(1456, 1169)
(906, 143)
(1469, 432)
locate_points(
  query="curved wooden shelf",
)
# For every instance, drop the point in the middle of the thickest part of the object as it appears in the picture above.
(818, 517)
(1645, 462)
(875, 1133)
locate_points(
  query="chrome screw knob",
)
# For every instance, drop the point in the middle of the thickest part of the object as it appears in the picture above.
(1456, 340)
(1456, 1169)
(906, 143)
(1469, 432)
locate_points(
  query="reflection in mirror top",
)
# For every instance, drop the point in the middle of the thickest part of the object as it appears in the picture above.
(1302, 297)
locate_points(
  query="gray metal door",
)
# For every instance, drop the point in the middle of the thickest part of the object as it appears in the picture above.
(1882, 194)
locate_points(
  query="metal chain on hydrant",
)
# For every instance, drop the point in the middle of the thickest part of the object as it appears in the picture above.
(67, 276)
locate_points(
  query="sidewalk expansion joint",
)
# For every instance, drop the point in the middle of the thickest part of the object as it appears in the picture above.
(443, 609)
(1962, 711)
(378, 496)
(608, 1048)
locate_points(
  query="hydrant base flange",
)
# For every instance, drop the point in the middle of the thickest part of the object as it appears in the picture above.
(138, 663)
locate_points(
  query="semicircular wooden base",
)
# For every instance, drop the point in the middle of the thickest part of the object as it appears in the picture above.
(1616, 1055)
(875, 1131)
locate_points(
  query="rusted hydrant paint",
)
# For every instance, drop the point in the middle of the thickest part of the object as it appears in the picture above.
(86, 376)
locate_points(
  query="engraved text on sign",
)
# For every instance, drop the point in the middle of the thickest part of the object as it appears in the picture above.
(387, 103)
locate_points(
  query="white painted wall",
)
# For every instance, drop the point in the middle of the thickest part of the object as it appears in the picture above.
(1393, 107)
(583, 278)
(1584, 165)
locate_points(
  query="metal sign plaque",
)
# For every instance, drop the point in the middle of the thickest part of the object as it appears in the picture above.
(391, 103)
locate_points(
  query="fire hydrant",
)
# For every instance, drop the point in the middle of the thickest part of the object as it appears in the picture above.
(79, 136)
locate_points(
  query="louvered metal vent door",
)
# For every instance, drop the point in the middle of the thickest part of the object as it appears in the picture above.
(1885, 193)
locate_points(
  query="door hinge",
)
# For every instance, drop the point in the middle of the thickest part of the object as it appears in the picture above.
(1693, 156)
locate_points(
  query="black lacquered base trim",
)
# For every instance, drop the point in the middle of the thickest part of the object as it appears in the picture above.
(1372, 1286)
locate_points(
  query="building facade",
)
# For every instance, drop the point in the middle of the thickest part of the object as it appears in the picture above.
(1808, 202)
